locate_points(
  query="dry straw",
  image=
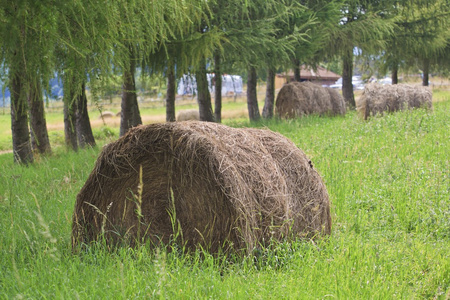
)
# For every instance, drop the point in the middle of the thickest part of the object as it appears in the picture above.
(204, 184)
(188, 114)
(377, 98)
(297, 99)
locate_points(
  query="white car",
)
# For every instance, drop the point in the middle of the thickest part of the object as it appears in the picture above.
(385, 80)
(337, 84)
(358, 84)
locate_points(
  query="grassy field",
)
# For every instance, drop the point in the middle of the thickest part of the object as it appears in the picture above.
(388, 180)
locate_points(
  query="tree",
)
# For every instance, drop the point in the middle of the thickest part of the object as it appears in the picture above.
(148, 31)
(252, 100)
(428, 24)
(217, 87)
(38, 124)
(203, 95)
(130, 115)
(420, 37)
(171, 90)
(317, 19)
(85, 136)
(19, 121)
(278, 38)
(185, 50)
(27, 37)
(267, 112)
(293, 38)
(77, 52)
(363, 24)
(253, 40)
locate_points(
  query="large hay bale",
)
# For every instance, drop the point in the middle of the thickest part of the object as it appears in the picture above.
(377, 98)
(188, 114)
(297, 99)
(221, 187)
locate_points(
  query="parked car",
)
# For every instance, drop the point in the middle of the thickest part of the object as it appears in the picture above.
(337, 84)
(358, 83)
(385, 80)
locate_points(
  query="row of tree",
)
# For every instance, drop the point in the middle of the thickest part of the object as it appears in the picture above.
(86, 41)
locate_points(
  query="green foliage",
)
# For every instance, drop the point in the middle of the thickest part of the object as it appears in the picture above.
(421, 32)
(261, 33)
(388, 181)
(324, 16)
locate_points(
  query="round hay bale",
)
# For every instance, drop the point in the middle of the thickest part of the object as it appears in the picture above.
(337, 101)
(106, 114)
(204, 184)
(188, 114)
(297, 99)
(286, 106)
(377, 99)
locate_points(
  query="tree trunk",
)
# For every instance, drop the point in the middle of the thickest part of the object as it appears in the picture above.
(70, 109)
(297, 70)
(130, 115)
(267, 112)
(19, 122)
(426, 71)
(252, 98)
(70, 133)
(170, 97)
(38, 124)
(83, 125)
(217, 89)
(347, 85)
(394, 75)
(203, 95)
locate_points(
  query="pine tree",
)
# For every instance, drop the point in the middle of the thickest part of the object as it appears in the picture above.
(27, 35)
(185, 50)
(85, 43)
(420, 37)
(38, 125)
(363, 24)
(254, 39)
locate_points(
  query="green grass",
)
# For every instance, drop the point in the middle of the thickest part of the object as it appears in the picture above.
(388, 180)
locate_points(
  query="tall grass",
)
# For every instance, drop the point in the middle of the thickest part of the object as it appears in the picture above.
(388, 180)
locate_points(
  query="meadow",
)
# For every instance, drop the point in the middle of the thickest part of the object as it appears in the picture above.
(389, 184)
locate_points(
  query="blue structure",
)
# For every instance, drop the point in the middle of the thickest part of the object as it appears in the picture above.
(55, 88)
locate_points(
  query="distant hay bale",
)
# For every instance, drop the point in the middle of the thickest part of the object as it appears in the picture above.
(119, 114)
(106, 114)
(337, 101)
(377, 99)
(297, 99)
(216, 187)
(188, 114)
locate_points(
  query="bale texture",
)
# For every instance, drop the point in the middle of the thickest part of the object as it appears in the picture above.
(188, 114)
(297, 99)
(207, 184)
(106, 114)
(377, 99)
